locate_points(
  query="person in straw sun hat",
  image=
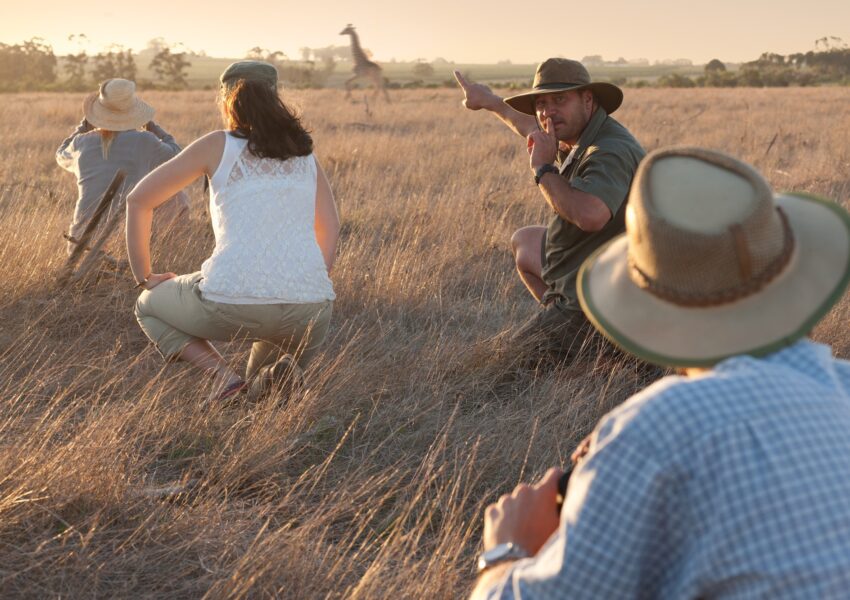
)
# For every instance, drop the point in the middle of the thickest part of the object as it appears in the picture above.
(731, 479)
(110, 137)
(582, 161)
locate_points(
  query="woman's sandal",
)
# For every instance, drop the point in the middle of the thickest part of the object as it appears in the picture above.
(229, 393)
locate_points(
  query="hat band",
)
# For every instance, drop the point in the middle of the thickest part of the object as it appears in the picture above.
(748, 288)
(556, 86)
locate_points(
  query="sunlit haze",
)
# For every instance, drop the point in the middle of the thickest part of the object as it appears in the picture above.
(731, 30)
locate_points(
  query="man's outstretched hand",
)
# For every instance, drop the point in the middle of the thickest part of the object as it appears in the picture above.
(476, 95)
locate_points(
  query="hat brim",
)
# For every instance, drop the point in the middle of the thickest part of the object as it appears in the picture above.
(609, 96)
(780, 313)
(104, 118)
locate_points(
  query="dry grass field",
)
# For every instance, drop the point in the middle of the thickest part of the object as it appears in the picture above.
(372, 485)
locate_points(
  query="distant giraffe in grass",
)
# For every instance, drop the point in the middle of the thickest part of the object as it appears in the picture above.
(363, 67)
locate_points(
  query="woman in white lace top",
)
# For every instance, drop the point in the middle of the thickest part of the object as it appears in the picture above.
(276, 230)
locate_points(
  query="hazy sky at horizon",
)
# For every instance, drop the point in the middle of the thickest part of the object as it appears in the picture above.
(731, 30)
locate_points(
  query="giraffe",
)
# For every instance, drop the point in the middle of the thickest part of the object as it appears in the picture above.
(363, 67)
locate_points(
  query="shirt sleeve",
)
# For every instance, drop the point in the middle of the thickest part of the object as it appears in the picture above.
(166, 149)
(64, 154)
(612, 542)
(607, 174)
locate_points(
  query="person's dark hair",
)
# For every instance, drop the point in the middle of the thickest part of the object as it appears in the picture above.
(253, 110)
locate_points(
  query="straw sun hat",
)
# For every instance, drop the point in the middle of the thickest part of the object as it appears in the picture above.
(563, 75)
(115, 107)
(712, 264)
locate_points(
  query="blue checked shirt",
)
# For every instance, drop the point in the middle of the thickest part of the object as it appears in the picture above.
(733, 484)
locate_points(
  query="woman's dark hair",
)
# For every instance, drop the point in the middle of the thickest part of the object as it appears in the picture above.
(253, 110)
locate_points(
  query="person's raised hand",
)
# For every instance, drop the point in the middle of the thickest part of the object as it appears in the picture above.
(476, 95)
(543, 146)
(154, 279)
(527, 516)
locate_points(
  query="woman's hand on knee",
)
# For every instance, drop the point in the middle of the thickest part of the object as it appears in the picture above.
(154, 279)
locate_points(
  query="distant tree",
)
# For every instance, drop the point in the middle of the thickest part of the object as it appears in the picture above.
(30, 65)
(306, 53)
(422, 69)
(170, 68)
(74, 66)
(831, 42)
(157, 44)
(276, 58)
(337, 52)
(716, 75)
(675, 80)
(714, 65)
(115, 62)
(256, 53)
(771, 58)
(594, 60)
(749, 76)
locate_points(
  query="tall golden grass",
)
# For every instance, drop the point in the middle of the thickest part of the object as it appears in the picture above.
(372, 485)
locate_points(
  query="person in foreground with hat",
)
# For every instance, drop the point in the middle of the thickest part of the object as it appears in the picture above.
(566, 120)
(276, 229)
(117, 132)
(730, 480)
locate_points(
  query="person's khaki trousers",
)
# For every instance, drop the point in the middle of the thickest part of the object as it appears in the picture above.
(173, 314)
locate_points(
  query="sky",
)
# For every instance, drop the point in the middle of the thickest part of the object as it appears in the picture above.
(464, 32)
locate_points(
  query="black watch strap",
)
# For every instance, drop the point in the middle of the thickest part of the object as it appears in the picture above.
(542, 170)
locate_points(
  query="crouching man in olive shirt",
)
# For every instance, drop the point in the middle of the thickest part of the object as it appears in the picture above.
(583, 161)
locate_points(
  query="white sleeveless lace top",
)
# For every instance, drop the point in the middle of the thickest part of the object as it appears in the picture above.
(263, 211)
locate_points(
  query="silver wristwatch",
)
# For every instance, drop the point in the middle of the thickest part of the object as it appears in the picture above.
(499, 554)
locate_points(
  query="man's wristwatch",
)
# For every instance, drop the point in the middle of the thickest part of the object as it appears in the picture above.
(542, 170)
(499, 554)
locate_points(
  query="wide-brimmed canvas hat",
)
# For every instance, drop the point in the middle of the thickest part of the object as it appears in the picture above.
(562, 75)
(116, 107)
(712, 265)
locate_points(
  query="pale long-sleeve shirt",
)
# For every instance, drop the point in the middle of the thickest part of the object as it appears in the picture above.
(136, 152)
(733, 484)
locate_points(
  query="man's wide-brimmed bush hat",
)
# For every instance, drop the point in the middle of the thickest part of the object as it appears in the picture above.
(116, 107)
(562, 75)
(712, 264)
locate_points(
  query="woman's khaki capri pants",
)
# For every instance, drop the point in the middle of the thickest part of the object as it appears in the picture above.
(173, 314)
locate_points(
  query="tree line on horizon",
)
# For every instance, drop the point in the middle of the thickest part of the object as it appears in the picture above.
(32, 65)
(828, 63)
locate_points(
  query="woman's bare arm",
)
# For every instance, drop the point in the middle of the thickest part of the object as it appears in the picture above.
(200, 158)
(327, 219)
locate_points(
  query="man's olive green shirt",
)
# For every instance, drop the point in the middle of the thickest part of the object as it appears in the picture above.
(603, 164)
